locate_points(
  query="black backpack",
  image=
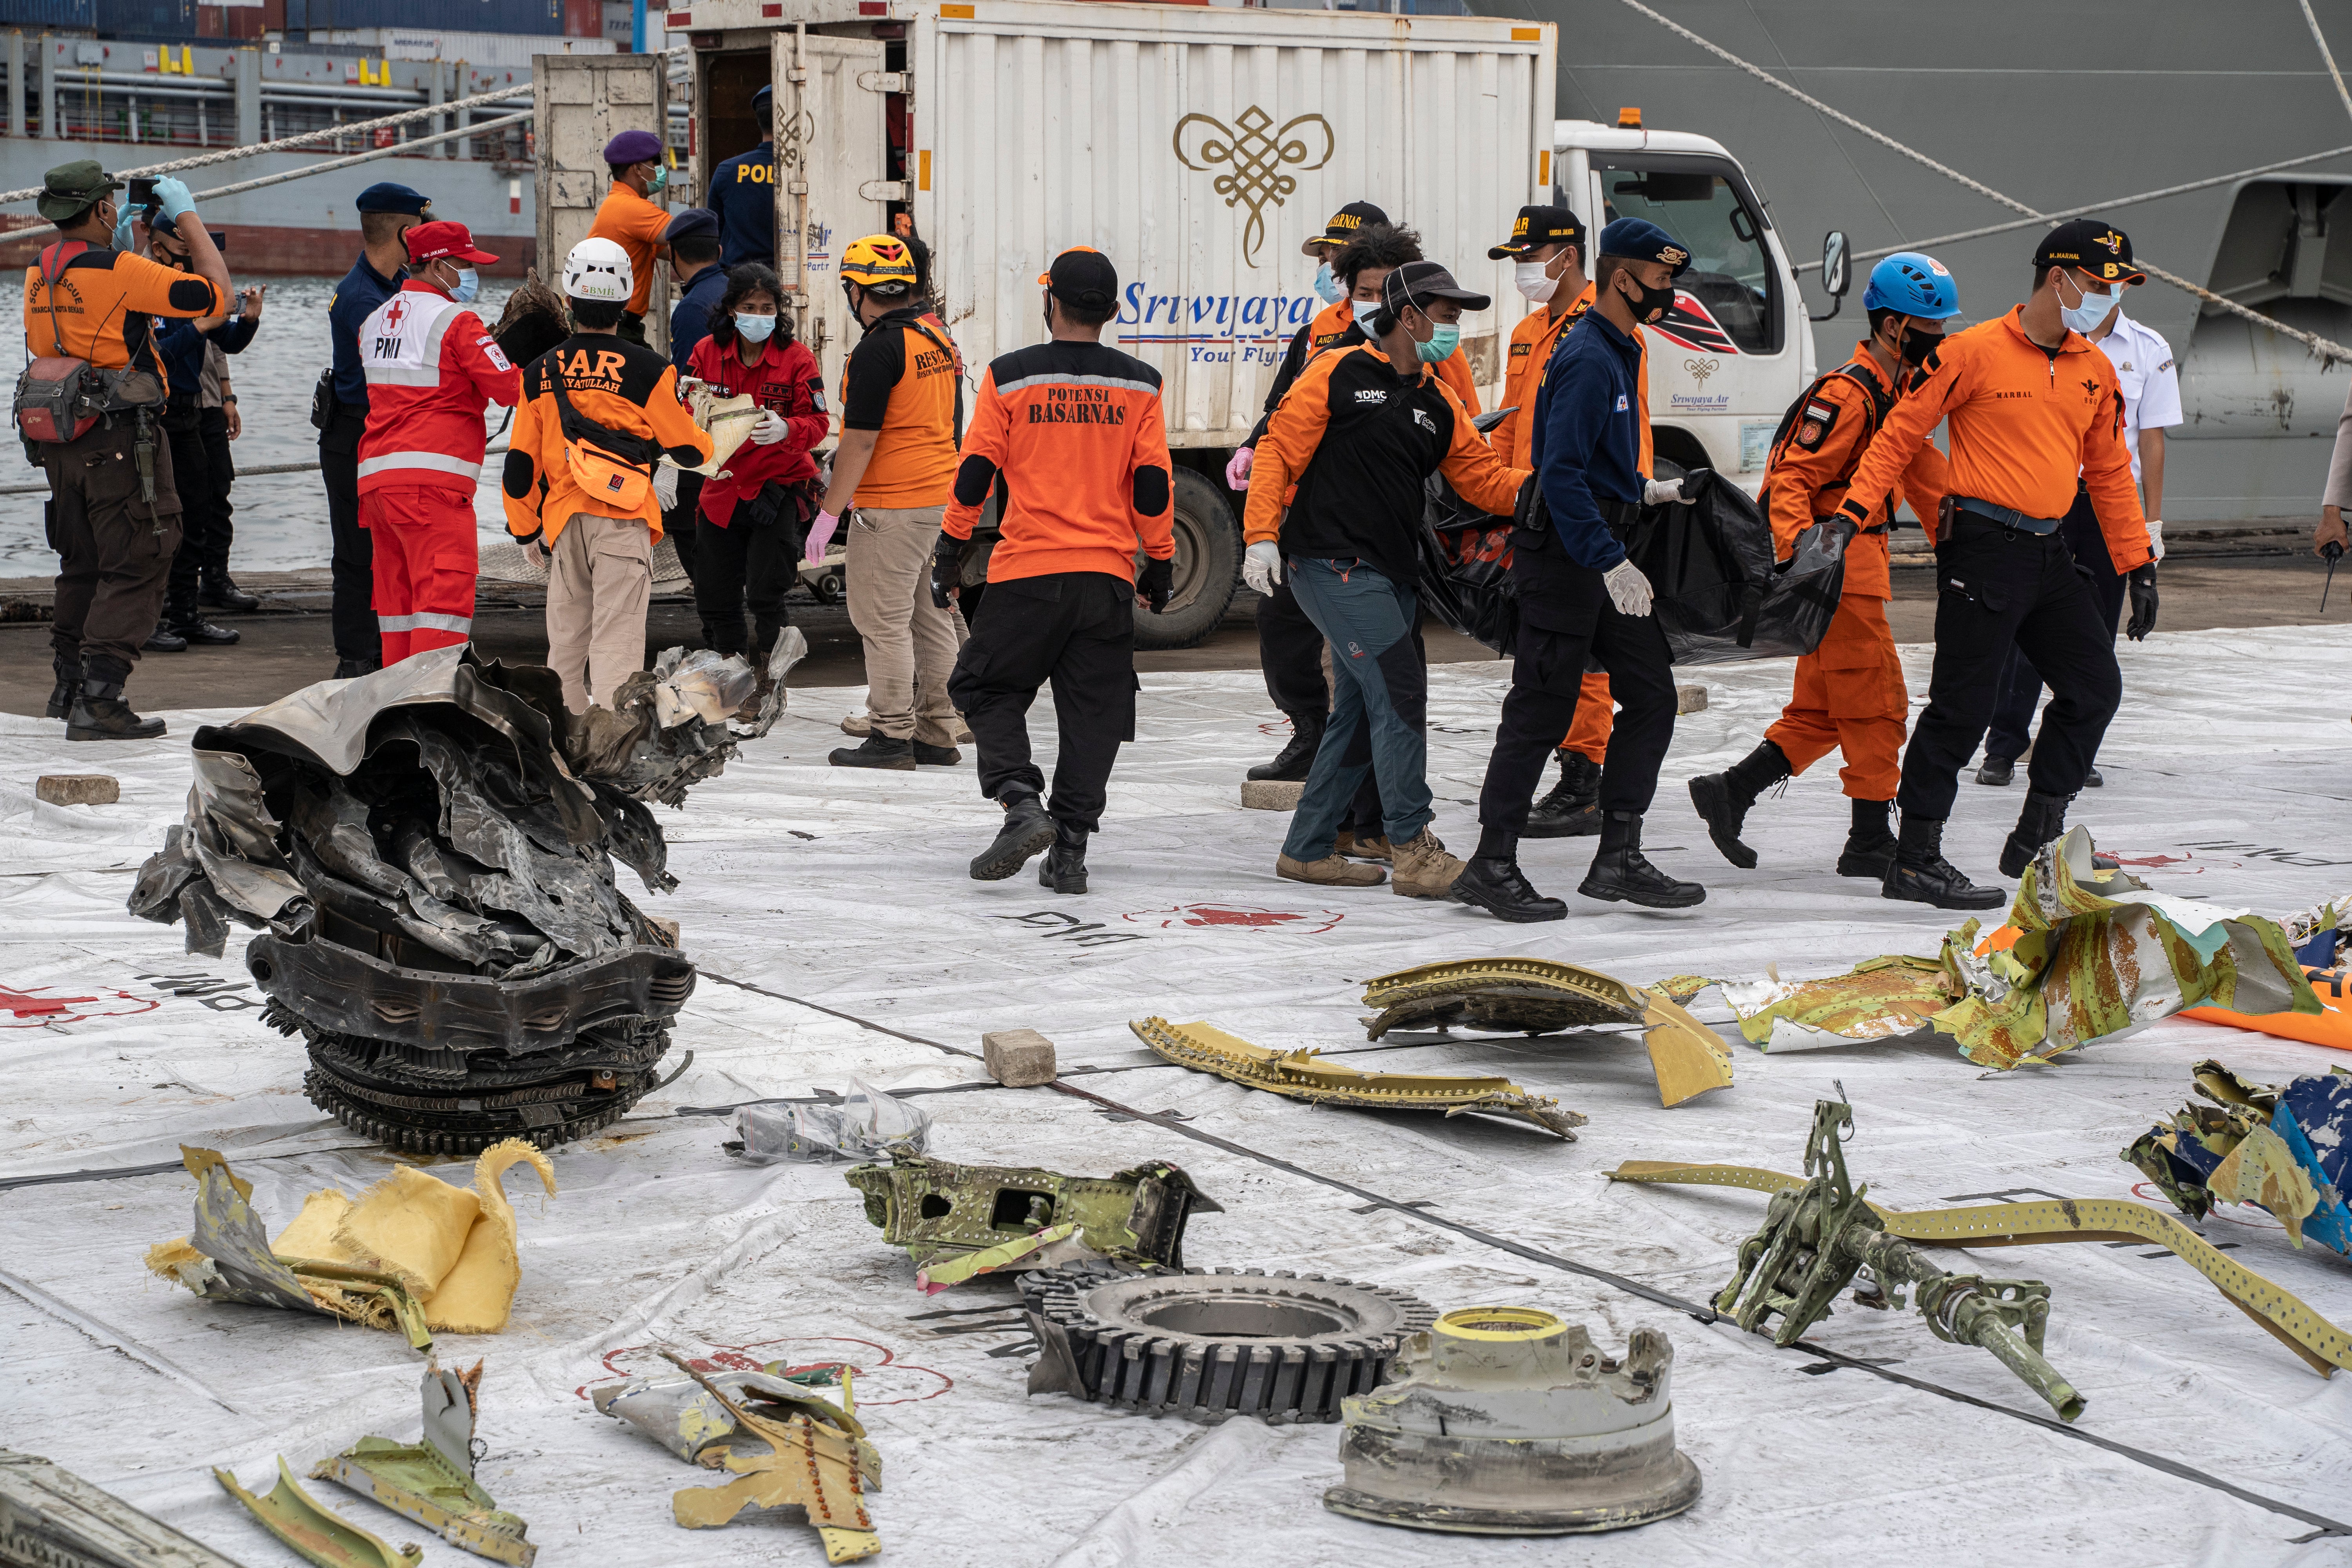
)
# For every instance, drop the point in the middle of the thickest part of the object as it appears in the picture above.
(1881, 402)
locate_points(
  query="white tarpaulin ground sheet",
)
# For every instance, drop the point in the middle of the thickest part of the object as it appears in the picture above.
(2228, 779)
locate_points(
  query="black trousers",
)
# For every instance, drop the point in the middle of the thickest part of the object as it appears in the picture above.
(221, 465)
(681, 525)
(2020, 683)
(744, 563)
(1995, 589)
(1565, 619)
(114, 549)
(1077, 630)
(1290, 654)
(203, 525)
(354, 553)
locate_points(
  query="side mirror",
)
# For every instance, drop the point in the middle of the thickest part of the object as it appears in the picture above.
(1837, 271)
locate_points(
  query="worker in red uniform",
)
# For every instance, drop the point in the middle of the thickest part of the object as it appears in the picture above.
(1849, 694)
(1072, 431)
(431, 367)
(632, 218)
(2034, 407)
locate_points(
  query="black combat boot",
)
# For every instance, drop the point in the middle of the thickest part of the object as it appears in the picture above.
(1063, 868)
(2043, 820)
(1921, 875)
(99, 711)
(352, 669)
(1996, 771)
(69, 687)
(1869, 843)
(1621, 871)
(876, 750)
(186, 621)
(933, 756)
(1298, 755)
(1026, 830)
(1572, 809)
(220, 592)
(1496, 884)
(164, 639)
(1723, 798)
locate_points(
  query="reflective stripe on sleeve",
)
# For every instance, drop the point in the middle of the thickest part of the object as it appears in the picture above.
(424, 621)
(465, 468)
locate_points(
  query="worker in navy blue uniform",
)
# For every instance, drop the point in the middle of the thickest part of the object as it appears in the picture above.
(202, 551)
(1579, 596)
(698, 284)
(743, 195)
(339, 410)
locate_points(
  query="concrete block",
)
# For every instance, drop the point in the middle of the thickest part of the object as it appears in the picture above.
(78, 789)
(1690, 699)
(1272, 795)
(1018, 1059)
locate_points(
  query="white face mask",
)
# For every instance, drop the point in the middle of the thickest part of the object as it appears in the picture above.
(1534, 279)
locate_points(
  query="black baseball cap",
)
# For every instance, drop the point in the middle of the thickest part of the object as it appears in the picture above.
(691, 223)
(2099, 248)
(1083, 277)
(1417, 282)
(1537, 227)
(1343, 226)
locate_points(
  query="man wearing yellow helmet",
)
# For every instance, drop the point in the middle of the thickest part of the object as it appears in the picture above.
(901, 419)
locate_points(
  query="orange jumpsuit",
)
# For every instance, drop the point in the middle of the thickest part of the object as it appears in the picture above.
(1849, 694)
(1532, 341)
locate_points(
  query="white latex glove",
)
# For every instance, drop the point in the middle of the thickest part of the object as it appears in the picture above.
(1658, 492)
(1261, 566)
(770, 428)
(820, 535)
(1628, 589)
(665, 485)
(2156, 537)
(1237, 472)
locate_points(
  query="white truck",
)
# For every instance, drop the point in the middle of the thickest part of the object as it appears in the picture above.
(1199, 146)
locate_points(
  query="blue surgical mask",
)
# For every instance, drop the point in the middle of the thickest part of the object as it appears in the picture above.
(1441, 343)
(469, 283)
(2085, 317)
(756, 329)
(1365, 310)
(1329, 288)
(660, 180)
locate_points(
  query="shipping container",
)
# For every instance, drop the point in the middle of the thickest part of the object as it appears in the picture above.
(539, 17)
(1198, 145)
(35, 16)
(583, 18)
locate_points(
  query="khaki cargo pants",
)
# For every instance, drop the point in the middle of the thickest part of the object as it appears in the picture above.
(911, 643)
(598, 582)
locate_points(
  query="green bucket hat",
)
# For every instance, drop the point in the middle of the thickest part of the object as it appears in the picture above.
(71, 189)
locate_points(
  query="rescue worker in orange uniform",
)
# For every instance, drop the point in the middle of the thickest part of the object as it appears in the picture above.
(2033, 403)
(1074, 432)
(113, 513)
(1849, 695)
(1290, 651)
(631, 218)
(431, 367)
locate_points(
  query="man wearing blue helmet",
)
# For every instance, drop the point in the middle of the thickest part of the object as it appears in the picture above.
(1849, 694)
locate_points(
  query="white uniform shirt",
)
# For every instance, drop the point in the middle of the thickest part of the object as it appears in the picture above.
(2143, 362)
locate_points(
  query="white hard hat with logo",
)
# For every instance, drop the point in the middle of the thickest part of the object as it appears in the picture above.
(598, 269)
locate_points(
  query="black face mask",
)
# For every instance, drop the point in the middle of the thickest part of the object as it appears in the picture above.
(1653, 304)
(1918, 345)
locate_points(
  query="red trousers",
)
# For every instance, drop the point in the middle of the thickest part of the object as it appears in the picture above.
(1595, 713)
(1850, 697)
(426, 561)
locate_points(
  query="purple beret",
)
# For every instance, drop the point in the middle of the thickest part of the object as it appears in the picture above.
(633, 147)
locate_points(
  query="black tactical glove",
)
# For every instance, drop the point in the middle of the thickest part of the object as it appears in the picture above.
(1156, 582)
(947, 568)
(2142, 583)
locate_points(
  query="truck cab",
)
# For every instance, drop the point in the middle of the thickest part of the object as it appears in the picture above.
(1735, 349)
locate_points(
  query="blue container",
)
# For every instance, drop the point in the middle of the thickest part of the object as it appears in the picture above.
(174, 19)
(33, 15)
(536, 18)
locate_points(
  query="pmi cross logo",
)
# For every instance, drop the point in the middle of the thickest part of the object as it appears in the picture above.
(1258, 152)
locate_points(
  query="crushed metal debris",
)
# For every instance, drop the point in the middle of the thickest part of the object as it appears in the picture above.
(956, 1221)
(2280, 1147)
(432, 1479)
(52, 1518)
(314, 1534)
(811, 1465)
(1302, 1075)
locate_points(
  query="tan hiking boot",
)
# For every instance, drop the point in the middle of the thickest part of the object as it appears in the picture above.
(1350, 846)
(858, 724)
(1421, 867)
(1330, 872)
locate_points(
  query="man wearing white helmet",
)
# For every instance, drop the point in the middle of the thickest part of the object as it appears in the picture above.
(598, 412)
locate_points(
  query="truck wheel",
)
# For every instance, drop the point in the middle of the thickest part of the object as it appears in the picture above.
(1208, 567)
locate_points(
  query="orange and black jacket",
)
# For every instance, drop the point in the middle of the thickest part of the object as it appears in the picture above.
(1076, 432)
(2027, 425)
(625, 387)
(1335, 326)
(1347, 452)
(1809, 473)
(904, 382)
(105, 300)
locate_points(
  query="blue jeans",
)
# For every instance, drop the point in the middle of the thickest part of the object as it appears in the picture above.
(1380, 703)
